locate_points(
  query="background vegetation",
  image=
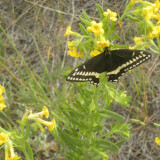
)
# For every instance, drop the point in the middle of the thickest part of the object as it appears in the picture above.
(36, 30)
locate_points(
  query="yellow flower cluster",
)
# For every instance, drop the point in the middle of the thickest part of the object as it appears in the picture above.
(73, 50)
(2, 104)
(96, 28)
(152, 12)
(99, 40)
(103, 42)
(37, 117)
(112, 15)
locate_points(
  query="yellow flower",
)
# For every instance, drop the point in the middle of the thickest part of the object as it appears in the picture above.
(157, 140)
(156, 31)
(42, 129)
(9, 150)
(138, 39)
(95, 53)
(96, 28)
(50, 125)
(74, 53)
(1, 99)
(156, 6)
(2, 89)
(134, 1)
(70, 44)
(148, 12)
(14, 158)
(157, 16)
(45, 111)
(103, 43)
(3, 138)
(112, 15)
(68, 31)
(2, 106)
(150, 36)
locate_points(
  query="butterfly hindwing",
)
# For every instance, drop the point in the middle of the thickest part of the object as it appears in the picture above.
(124, 60)
(115, 63)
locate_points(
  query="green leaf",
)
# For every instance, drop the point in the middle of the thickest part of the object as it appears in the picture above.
(27, 130)
(84, 31)
(111, 115)
(107, 146)
(86, 16)
(116, 46)
(132, 18)
(72, 142)
(138, 121)
(156, 124)
(155, 51)
(88, 23)
(120, 143)
(100, 11)
(29, 150)
(115, 36)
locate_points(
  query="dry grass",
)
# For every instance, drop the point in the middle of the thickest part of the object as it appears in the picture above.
(46, 21)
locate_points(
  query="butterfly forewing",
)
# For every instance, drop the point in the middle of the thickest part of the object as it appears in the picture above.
(89, 71)
(115, 63)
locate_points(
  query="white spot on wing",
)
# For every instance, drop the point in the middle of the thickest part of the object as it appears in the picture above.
(84, 67)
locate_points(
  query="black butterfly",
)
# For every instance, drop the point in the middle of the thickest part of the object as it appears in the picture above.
(115, 63)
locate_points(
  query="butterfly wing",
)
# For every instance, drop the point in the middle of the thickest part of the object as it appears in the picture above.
(115, 63)
(123, 60)
(89, 71)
